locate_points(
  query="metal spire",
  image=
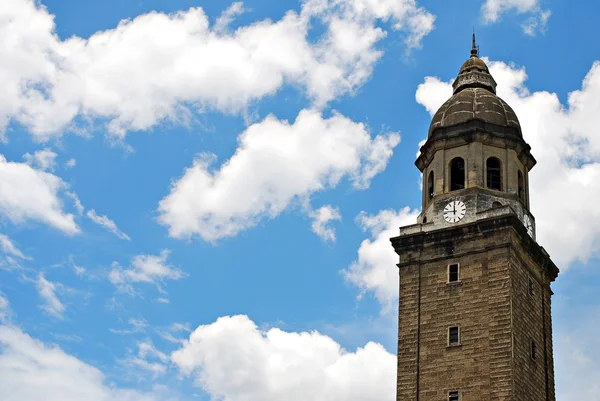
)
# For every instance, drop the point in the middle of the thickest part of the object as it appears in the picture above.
(474, 49)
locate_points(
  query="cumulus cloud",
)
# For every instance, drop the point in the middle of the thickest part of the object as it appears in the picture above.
(187, 64)
(44, 159)
(103, 221)
(276, 162)
(493, 9)
(31, 370)
(47, 291)
(9, 248)
(375, 268)
(565, 183)
(576, 344)
(152, 269)
(232, 359)
(30, 194)
(321, 219)
(70, 163)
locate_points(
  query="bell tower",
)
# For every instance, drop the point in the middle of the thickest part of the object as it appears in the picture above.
(474, 313)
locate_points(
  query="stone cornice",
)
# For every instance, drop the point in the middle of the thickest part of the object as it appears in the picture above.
(475, 131)
(445, 236)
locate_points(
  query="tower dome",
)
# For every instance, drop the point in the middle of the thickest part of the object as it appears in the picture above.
(474, 103)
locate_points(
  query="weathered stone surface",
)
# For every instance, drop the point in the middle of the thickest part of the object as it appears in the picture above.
(493, 241)
(491, 305)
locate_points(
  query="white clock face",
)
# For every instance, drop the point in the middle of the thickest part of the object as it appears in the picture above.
(455, 211)
(528, 225)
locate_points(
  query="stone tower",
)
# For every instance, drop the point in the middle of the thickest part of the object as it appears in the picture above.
(474, 314)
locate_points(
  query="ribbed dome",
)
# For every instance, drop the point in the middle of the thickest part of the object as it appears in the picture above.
(474, 104)
(475, 99)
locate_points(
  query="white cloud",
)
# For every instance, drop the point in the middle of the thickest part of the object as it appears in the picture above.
(147, 359)
(321, 219)
(145, 269)
(375, 268)
(566, 181)
(536, 23)
(70, 163)
(103, 221)
(29, 194)
(44, 159)
(577, 368)
(232, 359)
(79, 270)
(493, 9)
(9, 248)
(47, 291)
(31, 370)
(76, 202)
(137, 326)
(4, 308)
(234, 10)
(187, 64)
(276, 163)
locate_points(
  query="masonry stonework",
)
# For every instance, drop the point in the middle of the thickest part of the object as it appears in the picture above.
(501, 302)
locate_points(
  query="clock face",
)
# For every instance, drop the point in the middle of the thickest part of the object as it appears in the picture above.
(455, 211)
(528, 224)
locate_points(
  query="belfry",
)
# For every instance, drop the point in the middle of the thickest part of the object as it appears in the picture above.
(474, 318)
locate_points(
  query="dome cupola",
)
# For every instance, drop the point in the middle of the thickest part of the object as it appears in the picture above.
(474, 103)
(475, 153)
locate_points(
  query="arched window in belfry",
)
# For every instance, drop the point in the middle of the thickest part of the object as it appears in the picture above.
(430, 185)
(520, 186)
(457, 174)
(494, 174)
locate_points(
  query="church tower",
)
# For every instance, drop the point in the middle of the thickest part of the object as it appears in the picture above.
(474, 314)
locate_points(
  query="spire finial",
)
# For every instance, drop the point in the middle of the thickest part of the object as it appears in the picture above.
(474, 49)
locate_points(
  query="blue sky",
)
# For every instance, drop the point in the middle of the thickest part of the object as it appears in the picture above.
(235, 171)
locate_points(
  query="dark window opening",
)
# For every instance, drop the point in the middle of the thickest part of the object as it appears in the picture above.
(530, 287)
(430, 185)
(533, 350)
(494, 174)
(453, 336)
(496, 204)
(424, 219)
(453, 396)
(521, 191)
(453, 273)
(457, 174)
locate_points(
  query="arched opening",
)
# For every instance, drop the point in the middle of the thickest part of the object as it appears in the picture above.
(496, 204)
(457, 174)
(425, 220)
(521, 190)
(430, 185)
(494, 174)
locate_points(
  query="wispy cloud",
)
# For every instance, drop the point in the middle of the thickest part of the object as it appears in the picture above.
(42, 159)
(153, 269)
(47, 291)
(8, 247)
(321, 218)
(4, 308)
(107, 223)
(137, 326)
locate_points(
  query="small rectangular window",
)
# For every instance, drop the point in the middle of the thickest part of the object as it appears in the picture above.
(453, 335)
(533, 350)
(453, 273)
(530, 286)
(453, 396)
